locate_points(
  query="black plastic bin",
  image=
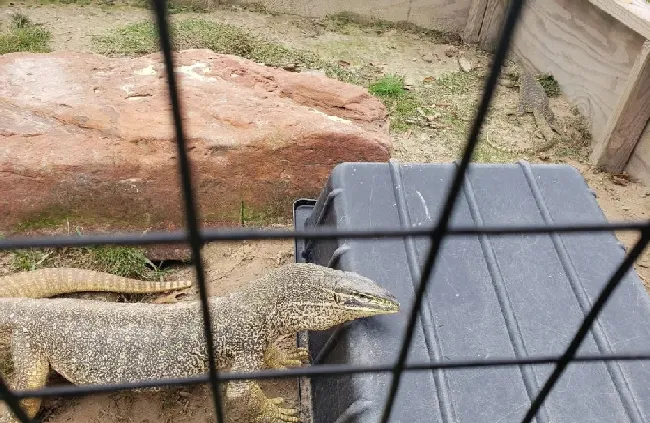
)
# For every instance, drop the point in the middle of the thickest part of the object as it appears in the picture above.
(490, 296)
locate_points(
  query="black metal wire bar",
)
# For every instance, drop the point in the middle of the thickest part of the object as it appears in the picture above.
(210, 235)
(587, 322)
(12, 402)
(324, 370)
(440, 231)
(192, 226)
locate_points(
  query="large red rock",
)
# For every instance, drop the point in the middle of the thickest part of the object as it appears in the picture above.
(90, 138)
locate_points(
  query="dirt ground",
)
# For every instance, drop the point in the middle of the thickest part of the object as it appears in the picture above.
(417, 58)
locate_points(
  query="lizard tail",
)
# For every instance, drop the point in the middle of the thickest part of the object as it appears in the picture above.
(43, 283)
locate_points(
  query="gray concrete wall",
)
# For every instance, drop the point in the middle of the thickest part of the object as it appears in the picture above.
(444, 15)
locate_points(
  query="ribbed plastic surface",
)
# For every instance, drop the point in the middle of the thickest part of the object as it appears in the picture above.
(489, 297)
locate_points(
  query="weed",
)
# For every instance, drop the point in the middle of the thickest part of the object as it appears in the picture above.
(128, 262)
(19, 20)
(550, 85)
(388, 86)
(141, 38)
(24, 35)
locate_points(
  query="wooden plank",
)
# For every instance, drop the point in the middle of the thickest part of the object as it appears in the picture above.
(493, 19)
(443, 15)
(474, 21)
(639, 164)
(588, 52)
(630, 117)
(635, 14)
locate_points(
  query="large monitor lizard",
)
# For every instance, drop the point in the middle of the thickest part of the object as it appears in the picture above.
(95, 342)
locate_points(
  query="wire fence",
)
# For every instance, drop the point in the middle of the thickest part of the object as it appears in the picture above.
(196, 238)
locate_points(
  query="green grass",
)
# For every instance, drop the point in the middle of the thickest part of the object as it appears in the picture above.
(128, 262)
(415, 106)
(23, 35)
(550, 85)
(141, 38)
(388, 86)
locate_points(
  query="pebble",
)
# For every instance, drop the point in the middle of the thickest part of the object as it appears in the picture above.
(451, 51)
(464, 64)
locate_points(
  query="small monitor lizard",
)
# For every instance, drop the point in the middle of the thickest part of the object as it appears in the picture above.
(95, 342)
(533, 99)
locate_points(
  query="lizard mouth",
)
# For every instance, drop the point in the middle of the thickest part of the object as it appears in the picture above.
(373, 305)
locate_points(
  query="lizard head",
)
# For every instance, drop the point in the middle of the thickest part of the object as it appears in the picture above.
(313, 297)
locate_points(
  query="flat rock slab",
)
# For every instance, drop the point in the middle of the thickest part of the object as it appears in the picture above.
(90, 138)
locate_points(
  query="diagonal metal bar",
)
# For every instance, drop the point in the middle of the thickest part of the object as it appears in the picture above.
(209, 235)
(194, 236)
(325, 370)
(587, 322)
(438, 234)
(12, 402)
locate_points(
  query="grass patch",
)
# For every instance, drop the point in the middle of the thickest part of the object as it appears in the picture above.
(129, 262)
(550, 85)
(142, 38)
(23, 35)
(388, 86)
(419, 106)
(401, 103)
(341, 22)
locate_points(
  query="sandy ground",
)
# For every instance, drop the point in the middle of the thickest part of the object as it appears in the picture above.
(231, 265)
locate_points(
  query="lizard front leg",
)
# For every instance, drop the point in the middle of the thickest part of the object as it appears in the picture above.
(30, 372)
(279, 357)
(246, 400)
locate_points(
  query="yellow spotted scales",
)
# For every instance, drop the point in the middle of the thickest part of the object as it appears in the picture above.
(98, 342)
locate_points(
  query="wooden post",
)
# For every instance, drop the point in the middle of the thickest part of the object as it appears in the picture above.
(495, 13)
(629, 119)
(474, 21)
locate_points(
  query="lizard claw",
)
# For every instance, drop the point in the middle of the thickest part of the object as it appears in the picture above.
(279, 358)
(271, 412)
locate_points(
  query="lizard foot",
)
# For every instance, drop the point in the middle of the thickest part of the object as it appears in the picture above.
(272, 412)
(277, 357)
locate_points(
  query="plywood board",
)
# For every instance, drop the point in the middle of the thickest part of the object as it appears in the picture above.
(439, 14)
(629, 119)
(639, 164)
(588, 52)
(474, 21)
(635, 14)
(495, 14)
(445, 15)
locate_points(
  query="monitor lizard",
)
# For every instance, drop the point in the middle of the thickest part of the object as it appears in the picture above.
(533, 99)
(49, 282)
(95, 342)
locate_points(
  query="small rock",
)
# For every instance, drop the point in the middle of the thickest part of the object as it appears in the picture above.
(508, 83)
(464, 64)
(544, 156)
(625, 208)
(291, 68)
(451, 51)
